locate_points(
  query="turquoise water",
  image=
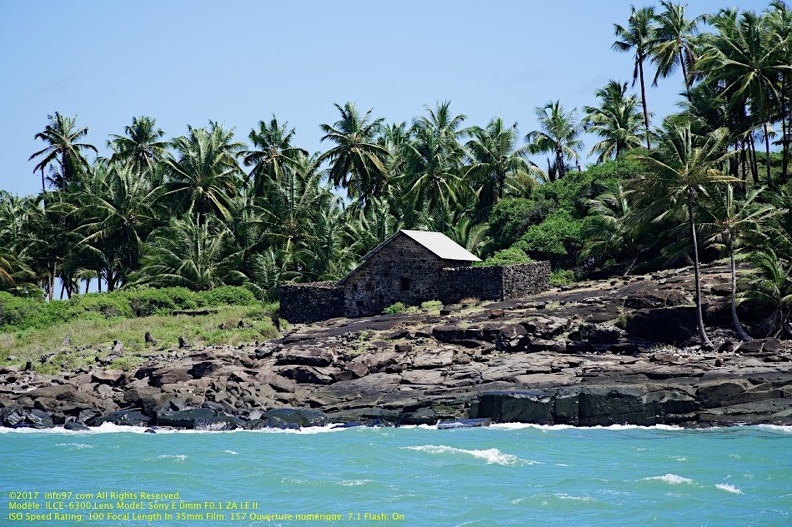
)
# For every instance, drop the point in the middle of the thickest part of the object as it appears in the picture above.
(505, 475)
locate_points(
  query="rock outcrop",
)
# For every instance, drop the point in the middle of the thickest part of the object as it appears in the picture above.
(603, 353)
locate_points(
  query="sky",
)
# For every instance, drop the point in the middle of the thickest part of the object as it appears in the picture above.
(237, 62)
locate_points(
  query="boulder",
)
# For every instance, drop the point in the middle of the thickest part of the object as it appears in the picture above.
(219, 423)
(184, 418)
(123, 418)
(605, 406)
(436, 358)
(517, 407)
(669, 325)
(299, 416)
(306, 356)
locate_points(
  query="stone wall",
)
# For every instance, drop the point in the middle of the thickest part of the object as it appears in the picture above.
(521, 280)
(498, 282)
(303, 303)
(402, 271)
(484, 283)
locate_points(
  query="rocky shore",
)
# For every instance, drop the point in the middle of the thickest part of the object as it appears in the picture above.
(600, 353)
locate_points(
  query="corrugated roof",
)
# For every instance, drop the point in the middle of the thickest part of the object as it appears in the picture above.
(442, 246)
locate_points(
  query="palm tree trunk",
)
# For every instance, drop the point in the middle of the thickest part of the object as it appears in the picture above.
(705, 341)
(752, 154)
(684, 73)
(785, 125)
(767, 152)
(735, 319)
(643, 102)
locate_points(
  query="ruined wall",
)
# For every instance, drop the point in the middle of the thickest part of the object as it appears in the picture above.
(302, 303)
(498, 282)
(484, 283)
(402, 271)
(521, 280)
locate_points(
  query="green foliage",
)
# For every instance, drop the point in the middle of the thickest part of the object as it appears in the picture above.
(398, 307)
(509, 219)
(226, 296)
(147, 301)
(512, 255)
(562, 277)
(557, 239)
(432, 305)
(107, 305)
(26, 313)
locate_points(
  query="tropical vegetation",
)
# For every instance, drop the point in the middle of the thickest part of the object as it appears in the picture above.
(209, 210)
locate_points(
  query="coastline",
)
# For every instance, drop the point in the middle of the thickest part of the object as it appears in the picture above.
(597, 354)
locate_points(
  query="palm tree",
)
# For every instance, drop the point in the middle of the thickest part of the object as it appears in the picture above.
(187, 253)
(63, 154)
(273, 153)
(116, 215)
(780, 25)
(617, 121)
(638, 36)
(141, 146)
(356, 160)
(494, 158)
(559, 135)
(673, 42)
(611, 228)
(205, 174)
(740, 59)
(735, 221)
(684, 166)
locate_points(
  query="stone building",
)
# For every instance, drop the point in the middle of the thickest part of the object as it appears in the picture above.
(410, 267)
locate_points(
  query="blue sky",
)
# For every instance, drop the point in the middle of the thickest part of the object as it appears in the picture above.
(185, 62)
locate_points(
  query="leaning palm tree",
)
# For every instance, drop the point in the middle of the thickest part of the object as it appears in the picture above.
(63, 153)
(684, 166)
(357, 161)
(733, 222)
(617, 121)
(638, 36)
(558, 134)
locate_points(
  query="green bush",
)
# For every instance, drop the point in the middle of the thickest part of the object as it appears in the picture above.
(512, 255)
(557, 239)
(226, 296)
(26, 313)
(145, 302)
(398, 307)
(562, 277)
(106, 304)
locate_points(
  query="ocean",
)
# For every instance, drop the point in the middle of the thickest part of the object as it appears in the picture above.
(504, 475)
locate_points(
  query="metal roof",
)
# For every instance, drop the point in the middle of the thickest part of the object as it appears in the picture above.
(442, 246)
(438, 243)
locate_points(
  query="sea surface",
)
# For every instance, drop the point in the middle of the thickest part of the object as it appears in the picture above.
(505, 475)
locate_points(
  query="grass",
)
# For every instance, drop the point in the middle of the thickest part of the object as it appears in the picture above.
(93, 337)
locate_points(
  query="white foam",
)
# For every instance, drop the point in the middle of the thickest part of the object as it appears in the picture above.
(492, 456)
(177, 457)
(574, 498)
(671, 479)
(355, 482)
(75, 445)
(729, 488)
(785, 429)
(231, 452)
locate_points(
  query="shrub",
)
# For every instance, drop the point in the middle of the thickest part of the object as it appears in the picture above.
(398, 307)
(26, 313)
(106, 304)
(512, 255)
(432, 305)
(145, 302)
(562, 277)
(226, 296)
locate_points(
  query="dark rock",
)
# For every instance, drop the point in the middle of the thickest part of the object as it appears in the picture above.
(183, 343)
(309, 374)
(497, 313)
(75, 426)
(124, 418)
(184, 418)
(669, 325)
(299, 416)
(545, 327)
(306, 357)
(149, 339)
(109, 377)
(605, 406)
(421, 416)
(146, 398)
(218, 423)
(452, 424)
(272, 422)
(517, 407)
(712, 395)
(403, 348)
